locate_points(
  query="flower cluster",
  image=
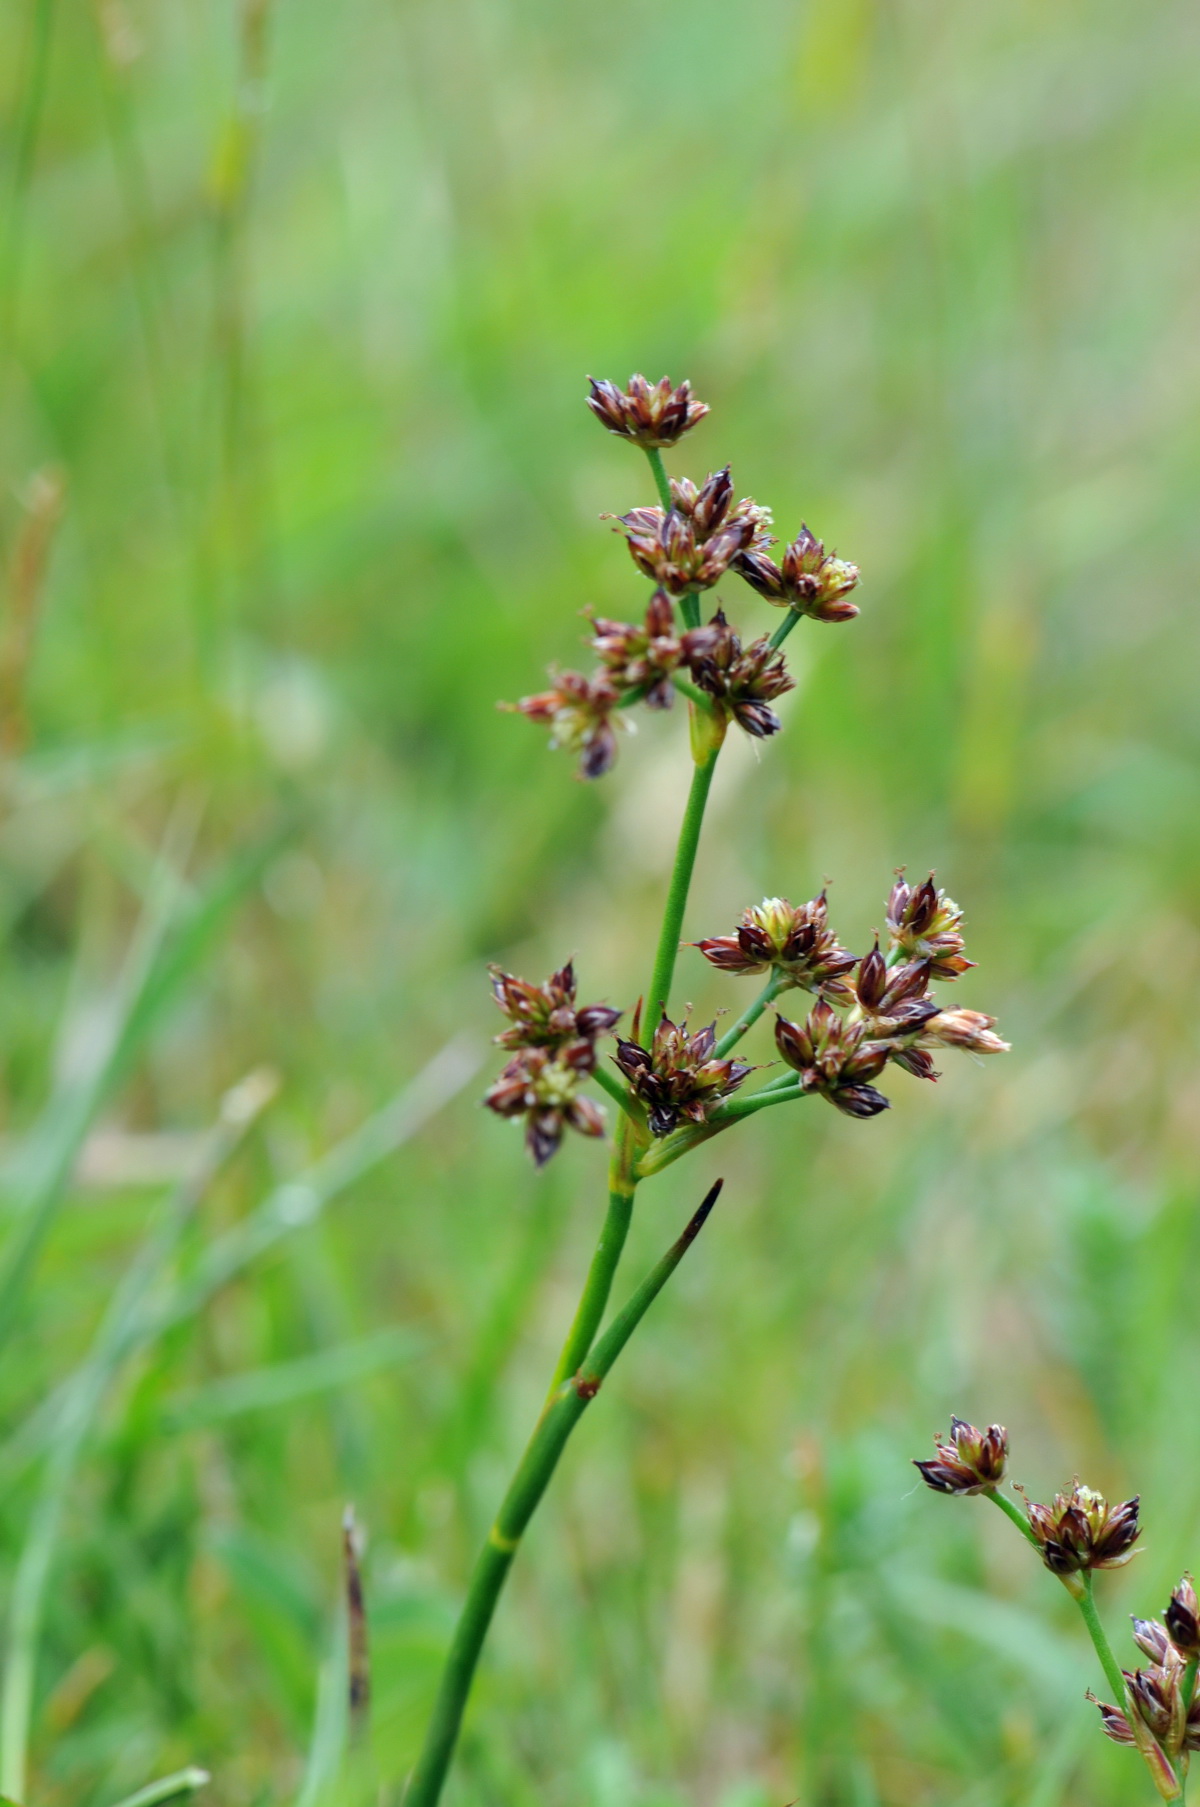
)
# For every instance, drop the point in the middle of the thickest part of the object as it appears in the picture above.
(890, 1014)
(555, 1049)
(807, 579)
(1082, 1531)
(678, 1077)
(1076, 1535)
(742, 681)
(834, 1057)
(704, 535)
(924, 924)
(1161, 1712)
(691, 545)
(650, 414)
(971, 1462)
(797, 944)
(579, 711)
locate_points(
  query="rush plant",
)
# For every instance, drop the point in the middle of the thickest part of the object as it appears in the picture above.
(1156, 1710)
(675, 1086)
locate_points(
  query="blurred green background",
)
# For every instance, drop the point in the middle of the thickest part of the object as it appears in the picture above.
(297, 480)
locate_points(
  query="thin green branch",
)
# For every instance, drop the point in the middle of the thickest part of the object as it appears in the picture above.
(664, 1154)
(785, 627)
(1086, 1603)
(775, 984)
(662, 482)
(693, 694)
(593, 1301)
(521, 1501)
(1012, 1511)
(659, 995)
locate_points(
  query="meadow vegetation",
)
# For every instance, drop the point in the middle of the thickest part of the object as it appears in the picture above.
(297, 481)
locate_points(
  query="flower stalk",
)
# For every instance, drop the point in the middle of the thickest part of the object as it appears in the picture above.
(677, 1086)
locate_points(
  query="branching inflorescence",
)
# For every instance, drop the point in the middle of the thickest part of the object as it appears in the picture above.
(1077, 1534)
(677, 1086)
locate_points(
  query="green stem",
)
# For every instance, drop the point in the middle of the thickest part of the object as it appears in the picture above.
(785, 627)
(775, 984)
(594, 1298)
(665, 1153)
(520, 1502)
(694, 695)
(1187, 1686)
(1112, 1669)
(1011, 1510)
(659, 995)
(1161, 1770)
(661, 481)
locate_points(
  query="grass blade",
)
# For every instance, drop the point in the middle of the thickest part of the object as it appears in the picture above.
(170, 1788)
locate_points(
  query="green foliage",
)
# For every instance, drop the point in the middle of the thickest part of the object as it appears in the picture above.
(300, 302)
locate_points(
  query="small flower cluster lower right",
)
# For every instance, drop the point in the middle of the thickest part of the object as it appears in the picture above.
(1077, 1534)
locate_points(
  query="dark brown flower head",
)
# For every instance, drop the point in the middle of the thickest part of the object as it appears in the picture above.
(542, 1085)
(580, 713)
(676, 553)
(546, 1016)
(894, 1000)
(797, 943)
(925, 924)
(1183, 1619)
(742, 681)
(1112, 1721)
(1082, 1531)
(651, 414)
(971, 1462)
(834, 1057)
(807, 579)
(712, 506)
(677, 1077)
(642, 657)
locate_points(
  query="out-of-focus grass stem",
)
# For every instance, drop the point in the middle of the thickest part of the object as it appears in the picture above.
(33, 93)
(171, 1788)
(240, 1111)
(242, 480)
